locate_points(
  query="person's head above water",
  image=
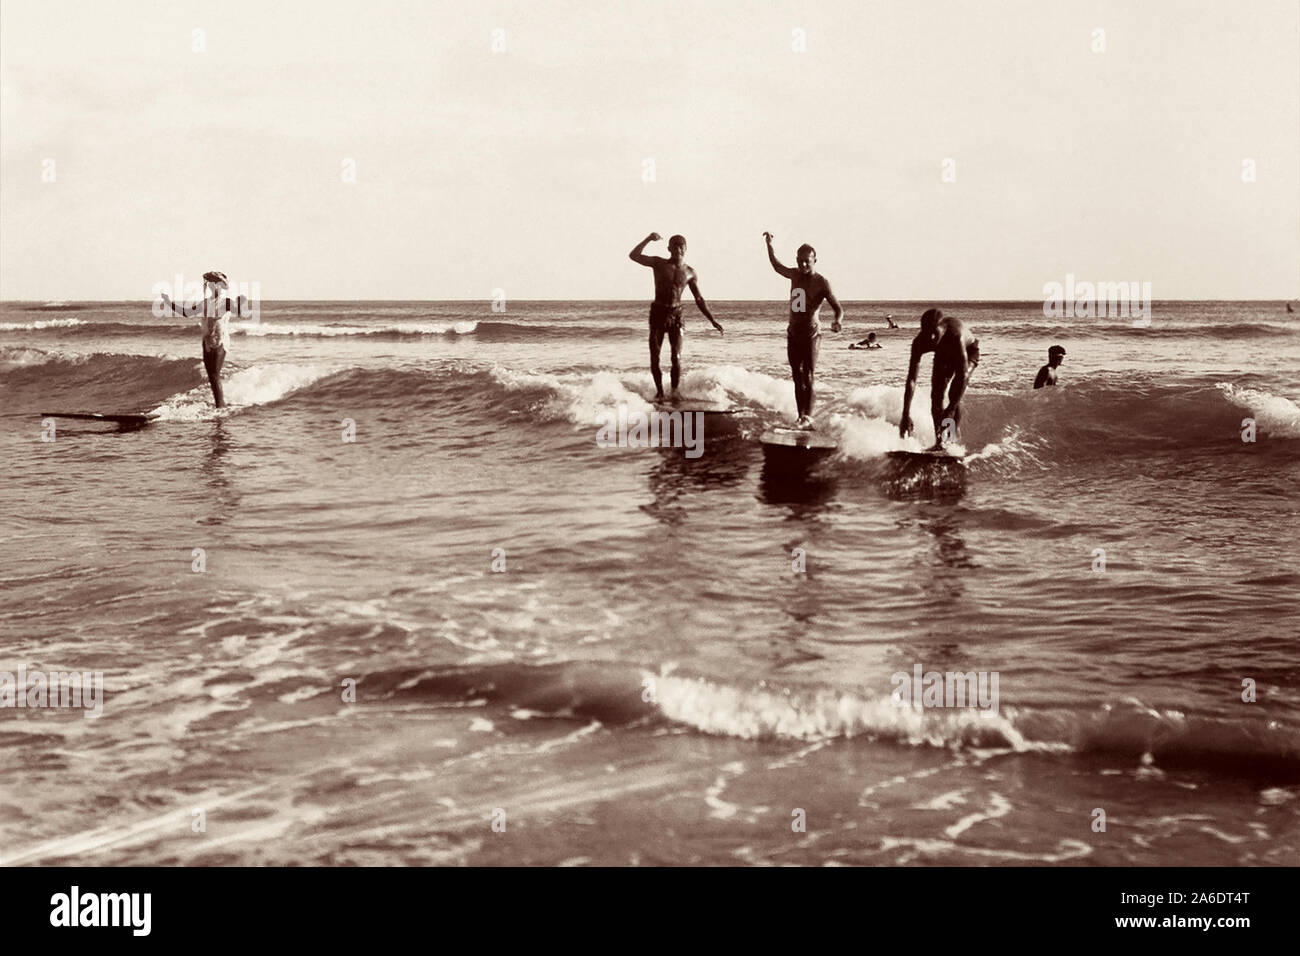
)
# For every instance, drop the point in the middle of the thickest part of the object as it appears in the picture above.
(1054, 355)
(806, 258)
(871, 336)
(677, 245)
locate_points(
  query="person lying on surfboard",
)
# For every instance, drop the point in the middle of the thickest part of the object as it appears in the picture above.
(1047, 374)
(213, 313)
(808, 290)
(956, 354)
(672, 275)
(868, 343)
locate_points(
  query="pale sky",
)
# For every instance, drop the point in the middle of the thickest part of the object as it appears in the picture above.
(523, 169)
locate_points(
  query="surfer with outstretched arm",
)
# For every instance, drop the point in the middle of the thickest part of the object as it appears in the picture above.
(213, 312)
(808, 290)
(672, 275)
(956, 354)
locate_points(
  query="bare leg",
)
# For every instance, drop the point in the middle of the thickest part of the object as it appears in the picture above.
(656, 343)
(213, 359)
(792, 354)
(675, 346)
(814, 347)
(938, 388)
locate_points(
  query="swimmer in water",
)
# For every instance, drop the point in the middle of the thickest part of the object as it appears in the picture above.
(1047, 374)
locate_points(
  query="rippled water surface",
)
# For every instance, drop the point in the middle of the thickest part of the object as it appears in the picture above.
(649, 679)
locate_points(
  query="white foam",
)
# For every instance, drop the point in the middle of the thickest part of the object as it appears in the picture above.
(1272, 412)
(581, 401)
(762, 714)
(1011, 445)
(42, 324)
(877, 433)
(404, 328)
(755, 387)
(12, 358)
(258, 385)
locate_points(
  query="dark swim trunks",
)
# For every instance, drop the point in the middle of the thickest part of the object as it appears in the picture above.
(802, 346)
(665, 317)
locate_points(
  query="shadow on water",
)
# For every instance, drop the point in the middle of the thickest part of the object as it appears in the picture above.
(724, 462)
(802, 479)
(950, 549)
(224, 498)
(925, 481)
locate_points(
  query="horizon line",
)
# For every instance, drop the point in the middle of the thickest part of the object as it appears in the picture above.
(489, 299)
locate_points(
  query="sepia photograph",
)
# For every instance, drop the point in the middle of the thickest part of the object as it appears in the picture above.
(684, 435)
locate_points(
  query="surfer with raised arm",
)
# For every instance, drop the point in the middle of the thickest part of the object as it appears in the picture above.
(672, 275)
(1047, 374)
(956, 354)
(213, 313)
(808, 290)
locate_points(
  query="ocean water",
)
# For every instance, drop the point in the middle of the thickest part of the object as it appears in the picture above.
(649, 680)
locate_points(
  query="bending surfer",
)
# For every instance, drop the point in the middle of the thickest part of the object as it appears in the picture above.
(808, 290)
(956, 354)
(213, 312)
(672, 275)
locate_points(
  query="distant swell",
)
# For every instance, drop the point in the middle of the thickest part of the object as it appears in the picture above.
(393, 330)
(101, 381)
(1082, 421)
(188, 329)
(535, 331)
(619, 695)
(40, 324)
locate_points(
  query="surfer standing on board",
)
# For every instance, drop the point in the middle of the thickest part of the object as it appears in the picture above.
(213, 312)
(672, 275)
(808, 290)
(956, 353)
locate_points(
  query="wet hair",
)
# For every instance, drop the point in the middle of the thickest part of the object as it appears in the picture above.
(871, 336)
(805, 248)
(1055, 350)
(931, 315)
(678, 240)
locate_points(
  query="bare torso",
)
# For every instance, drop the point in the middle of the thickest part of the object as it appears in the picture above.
(805, 308)
(670, 279)
(950, 346)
